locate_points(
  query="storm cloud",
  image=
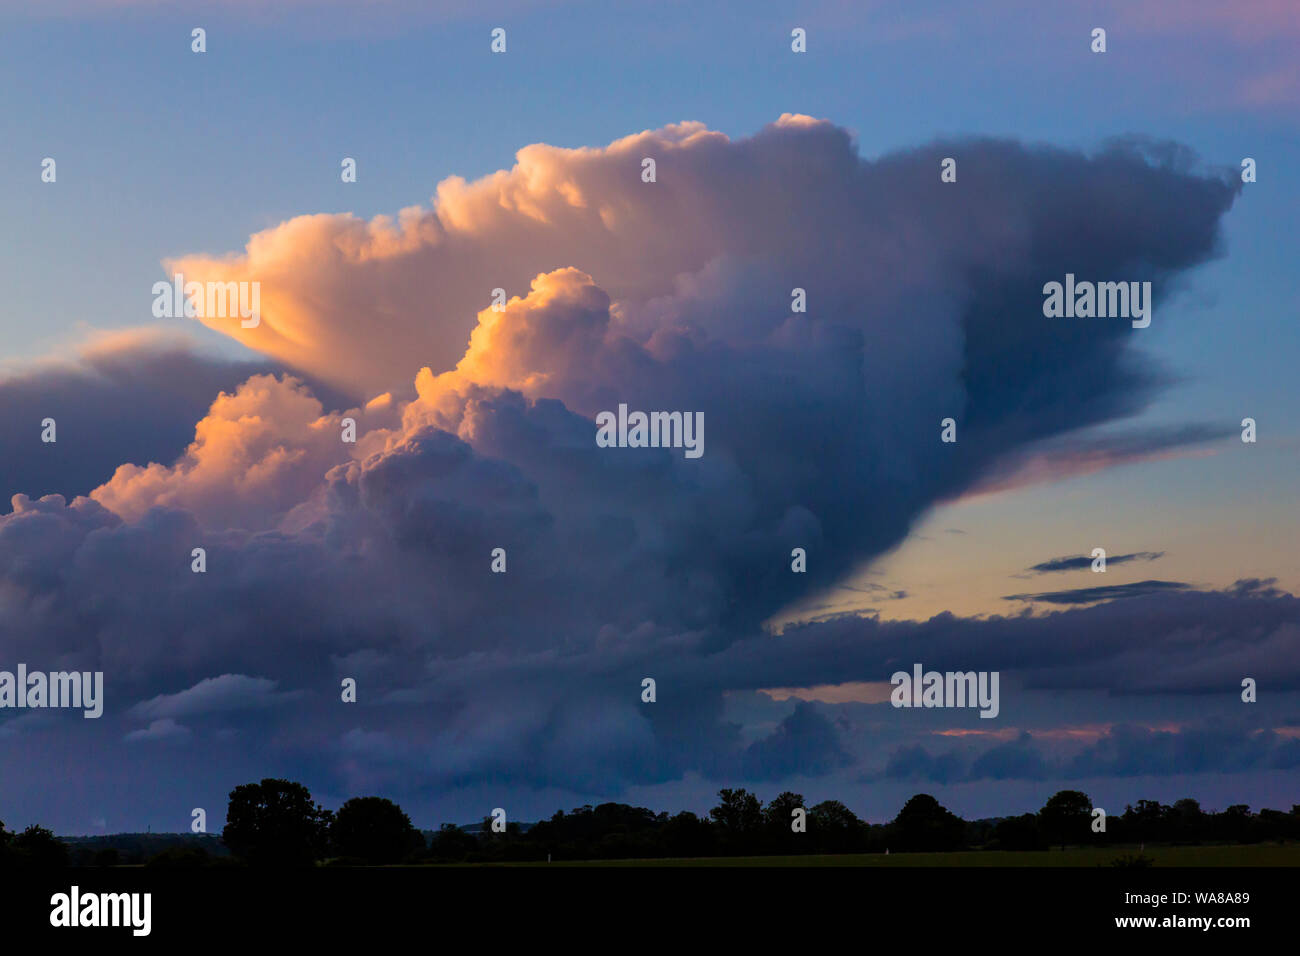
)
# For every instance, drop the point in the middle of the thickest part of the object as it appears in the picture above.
(327, 559)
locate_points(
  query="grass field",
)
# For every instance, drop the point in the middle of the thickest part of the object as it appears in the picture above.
(1270, 854)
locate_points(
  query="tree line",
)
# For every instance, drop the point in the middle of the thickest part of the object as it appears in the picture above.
(277, 823)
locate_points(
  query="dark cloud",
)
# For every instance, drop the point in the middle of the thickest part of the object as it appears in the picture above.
(1085, 562)
(1011, 760)
(805, 744)
(1125, 750)
(1105, 592)
(1129, 751)
(914, 762)
(1192, 642)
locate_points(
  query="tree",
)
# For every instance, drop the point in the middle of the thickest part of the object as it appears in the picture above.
(1234, 823)
(38, 847)
(275, 823)
(778, 817)
(738, 812)
(835, 827)
(1019, 833)
(451, 843)
(375, 830)
(779, 812)
(1146, 821)
(685, 834)
(1067, 815)
(1187, 820)
(924, 824)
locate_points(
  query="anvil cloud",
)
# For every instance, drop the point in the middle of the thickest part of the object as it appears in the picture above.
(475, 431)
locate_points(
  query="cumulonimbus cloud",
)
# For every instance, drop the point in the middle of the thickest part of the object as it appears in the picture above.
(475, 432)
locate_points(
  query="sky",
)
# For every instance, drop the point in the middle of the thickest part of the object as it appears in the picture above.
(522, 170)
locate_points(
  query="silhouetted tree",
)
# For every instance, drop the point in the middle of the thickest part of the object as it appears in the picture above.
(1186, 821)
(1146, 821)
(1275, 825)
(1019, 833)
(777, 819)
(834, 828)
(275, 823)
(38, 847)
(1235, 823)
(375, 830)
(685, 834)
(451, 844)
(738, 812)
(923, 824)
(779, 812)
(1067, 816)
